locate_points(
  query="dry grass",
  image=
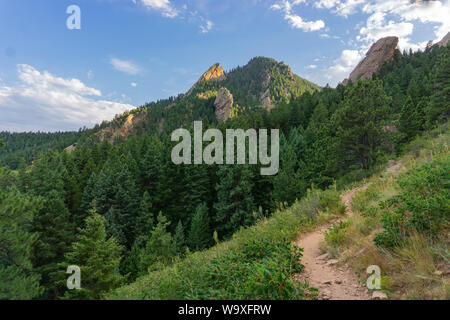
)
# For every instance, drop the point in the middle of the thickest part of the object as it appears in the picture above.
(411, 271)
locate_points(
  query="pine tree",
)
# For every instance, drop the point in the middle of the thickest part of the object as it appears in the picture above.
(411, 118)
(151, 168)
(198, 188)
(438, 109)
(319, 156)
(51, 223)
(18, 280)
(72, 190)
(98, 259)
(145, 220)
(159, 249)
(200, 232)
(359, 122)
(234, 206)
(115, 187)
(179, 239)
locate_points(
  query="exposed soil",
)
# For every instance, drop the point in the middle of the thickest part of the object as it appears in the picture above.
(334, 280)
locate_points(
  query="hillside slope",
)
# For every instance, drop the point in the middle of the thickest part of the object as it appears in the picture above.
(256, 263)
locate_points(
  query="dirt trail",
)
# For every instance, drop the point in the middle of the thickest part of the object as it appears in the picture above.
(335, 281)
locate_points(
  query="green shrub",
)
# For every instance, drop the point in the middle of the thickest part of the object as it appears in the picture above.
(423, 205)
(337, 234)
(257, 270)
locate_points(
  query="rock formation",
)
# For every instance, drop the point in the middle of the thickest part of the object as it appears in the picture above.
(214, 73)
(444, 41)
(223, 104)
(380, 52)
(264, 97)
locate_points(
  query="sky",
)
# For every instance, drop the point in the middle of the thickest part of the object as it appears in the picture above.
(69, 64)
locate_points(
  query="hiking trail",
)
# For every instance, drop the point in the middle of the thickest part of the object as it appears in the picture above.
(334, 280)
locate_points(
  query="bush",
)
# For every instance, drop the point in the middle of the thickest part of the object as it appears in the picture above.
(257, 270)
(422, 206)
(337, 234)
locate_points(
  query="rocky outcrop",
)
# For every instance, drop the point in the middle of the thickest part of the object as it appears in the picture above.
(214, 73)
(223, 104)
(123, 129)
(264, 97)
(287, 69)
(444, 41)
(380, 52)
(70, 148)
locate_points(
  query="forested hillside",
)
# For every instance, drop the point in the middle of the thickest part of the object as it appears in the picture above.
(22, 148)
(255, 87)
(141, 213)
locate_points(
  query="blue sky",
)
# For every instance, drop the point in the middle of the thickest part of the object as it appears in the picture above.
(129, 52)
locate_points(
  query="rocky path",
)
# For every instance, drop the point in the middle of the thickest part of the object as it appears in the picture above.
(334, 280)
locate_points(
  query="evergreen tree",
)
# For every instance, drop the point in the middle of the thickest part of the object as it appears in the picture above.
(51, 222)
(235, 205)
(17, 277)
(320, 165)
(98, 259)
(359, 122)
(198, 188)
(200, 232)
(438, 109)
(159, 249)
(179, 239)
(145, 220)
(412, 118)
(115, 187)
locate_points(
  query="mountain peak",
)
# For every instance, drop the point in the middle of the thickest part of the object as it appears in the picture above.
(215, 72)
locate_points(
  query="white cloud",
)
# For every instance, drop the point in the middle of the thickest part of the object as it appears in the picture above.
(133, 84)
(377, 28)
(206, 27)
(340, 7)
(311, 66)
(348, 7)
(125, 66)
(343, 66)
(437, 12)
(45, 102)
(295, 20)
(163, 6)
(327, 4)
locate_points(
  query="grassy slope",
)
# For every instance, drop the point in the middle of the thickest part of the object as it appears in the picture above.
(185, 278)
(411, 269)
